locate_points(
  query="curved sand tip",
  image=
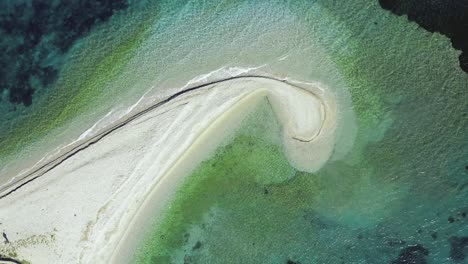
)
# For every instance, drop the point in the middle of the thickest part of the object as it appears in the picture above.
(308, 117)
(306, 111)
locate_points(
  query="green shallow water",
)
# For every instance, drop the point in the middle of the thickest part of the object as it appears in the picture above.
(403, 184)
(405, 181)
(248, 205)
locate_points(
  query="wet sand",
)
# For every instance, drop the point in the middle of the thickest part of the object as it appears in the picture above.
(92, 203)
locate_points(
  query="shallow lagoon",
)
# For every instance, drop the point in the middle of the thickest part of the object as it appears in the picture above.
(399, 195)
(248, 204)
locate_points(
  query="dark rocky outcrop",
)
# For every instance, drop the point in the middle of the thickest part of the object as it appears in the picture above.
(34, 36)
(458, 248)
(449, 17)
(414, 254)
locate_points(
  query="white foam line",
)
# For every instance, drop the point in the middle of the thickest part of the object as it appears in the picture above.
(87, 132)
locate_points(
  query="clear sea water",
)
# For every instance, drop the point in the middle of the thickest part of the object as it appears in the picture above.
(399, 196)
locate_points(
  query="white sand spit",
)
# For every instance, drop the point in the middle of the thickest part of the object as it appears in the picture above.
(92, 207)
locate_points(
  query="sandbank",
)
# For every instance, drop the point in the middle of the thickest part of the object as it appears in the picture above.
(91, 205)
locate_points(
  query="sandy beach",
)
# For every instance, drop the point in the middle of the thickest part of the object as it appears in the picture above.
(233, 132)
(92, 206)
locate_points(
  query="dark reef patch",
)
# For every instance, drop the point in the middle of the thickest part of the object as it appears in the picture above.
(449, 18)
(35, 35)
(451, 219)
(458, 248)
(414, 254)
(197, 246)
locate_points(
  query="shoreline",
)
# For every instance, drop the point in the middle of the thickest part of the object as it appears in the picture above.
(165, 187)
(25, 176)
(195, 115)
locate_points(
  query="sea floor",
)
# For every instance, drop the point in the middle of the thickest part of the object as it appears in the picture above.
(399, 196)
(248, 205)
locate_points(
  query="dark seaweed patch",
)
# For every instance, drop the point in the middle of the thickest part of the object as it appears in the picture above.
(186, 237)
(197, 246)
(187, 259)
(34, 35)
(458, 248)
(414, 254)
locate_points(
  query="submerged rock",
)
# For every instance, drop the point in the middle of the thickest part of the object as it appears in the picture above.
(414, 254)
(35, 35)
(458, 248)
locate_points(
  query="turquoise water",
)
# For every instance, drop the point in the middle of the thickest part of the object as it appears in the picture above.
(248, 205)
(400, 194)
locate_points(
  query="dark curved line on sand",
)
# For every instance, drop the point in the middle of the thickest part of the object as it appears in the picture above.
(28, 178)
(6, 259)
